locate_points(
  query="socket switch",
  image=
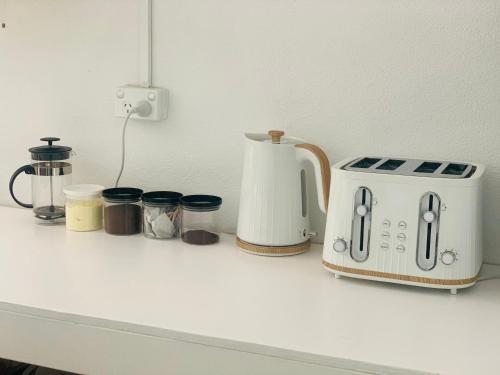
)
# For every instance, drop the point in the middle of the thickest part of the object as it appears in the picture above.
(128, 96)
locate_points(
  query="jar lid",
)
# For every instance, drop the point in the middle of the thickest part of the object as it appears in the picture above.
(161, 197)
(201, 201)
(83, 191)
(122, 194)
(50, 152)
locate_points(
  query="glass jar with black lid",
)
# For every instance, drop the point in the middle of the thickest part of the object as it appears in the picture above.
(50, 170)
(199, 225)
(161, 214)
(122, 211)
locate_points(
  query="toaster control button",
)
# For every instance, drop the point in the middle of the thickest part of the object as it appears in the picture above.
(429, 216)
(386, 235)
(448, 257)
(400, 248)
(386, 223)
(402, 225)
(384, 246)
(361, 210)
(401, 237)
(339, 245)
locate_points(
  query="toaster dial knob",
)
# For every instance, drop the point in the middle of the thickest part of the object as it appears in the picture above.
(429, 216)
(339, 245)
(361, 210)
(448, 257)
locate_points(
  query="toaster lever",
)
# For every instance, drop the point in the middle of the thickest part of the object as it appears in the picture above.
(361, 224)
(429, 216)
(361, 210)
(428, 228)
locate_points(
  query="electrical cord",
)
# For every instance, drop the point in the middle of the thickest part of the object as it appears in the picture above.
(142, 109)
(123, 146)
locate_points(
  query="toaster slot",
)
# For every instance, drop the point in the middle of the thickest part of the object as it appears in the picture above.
(428, 230)
(428, 167)
(361, 224)
(455, 169)
(391, 165)
(365, 163)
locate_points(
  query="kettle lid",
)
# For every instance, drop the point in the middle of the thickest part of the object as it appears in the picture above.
(49, 151)
(274, 137)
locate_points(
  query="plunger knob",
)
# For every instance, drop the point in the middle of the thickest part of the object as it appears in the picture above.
(50, 140)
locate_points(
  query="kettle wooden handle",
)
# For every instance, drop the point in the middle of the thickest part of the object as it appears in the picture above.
(324, 166)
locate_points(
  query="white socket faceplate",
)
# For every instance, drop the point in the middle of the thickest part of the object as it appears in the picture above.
(128, 96)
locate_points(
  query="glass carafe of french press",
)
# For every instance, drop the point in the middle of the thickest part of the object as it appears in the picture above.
(50, 172)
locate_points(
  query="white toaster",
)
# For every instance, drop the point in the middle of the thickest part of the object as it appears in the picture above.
(405, 221)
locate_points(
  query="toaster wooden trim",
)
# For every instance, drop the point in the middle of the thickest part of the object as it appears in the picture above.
(394, 276)
(279, 250)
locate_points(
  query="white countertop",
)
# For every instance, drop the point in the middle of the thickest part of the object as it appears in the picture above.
(217, 295)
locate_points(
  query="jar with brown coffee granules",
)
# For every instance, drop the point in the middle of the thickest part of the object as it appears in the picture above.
(122, 211)
(199, 224)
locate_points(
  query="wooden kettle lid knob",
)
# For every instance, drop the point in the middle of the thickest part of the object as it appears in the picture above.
(276, 135)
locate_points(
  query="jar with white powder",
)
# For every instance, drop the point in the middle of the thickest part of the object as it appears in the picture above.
(84, 207)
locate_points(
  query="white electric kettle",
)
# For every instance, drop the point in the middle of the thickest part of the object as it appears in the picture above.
(274, 213)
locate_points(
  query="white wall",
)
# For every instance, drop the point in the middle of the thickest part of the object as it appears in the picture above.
(414, 78)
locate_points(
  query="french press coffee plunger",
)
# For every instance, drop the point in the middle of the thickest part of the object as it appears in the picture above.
(50, 172)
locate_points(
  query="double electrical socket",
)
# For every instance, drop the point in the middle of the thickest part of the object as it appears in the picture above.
(126, 97)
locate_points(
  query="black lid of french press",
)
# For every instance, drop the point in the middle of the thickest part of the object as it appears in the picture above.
(50, 152)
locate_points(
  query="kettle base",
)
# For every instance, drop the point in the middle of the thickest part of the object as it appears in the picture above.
(273, 250)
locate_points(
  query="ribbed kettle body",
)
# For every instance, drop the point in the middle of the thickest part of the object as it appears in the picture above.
(273, 203)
